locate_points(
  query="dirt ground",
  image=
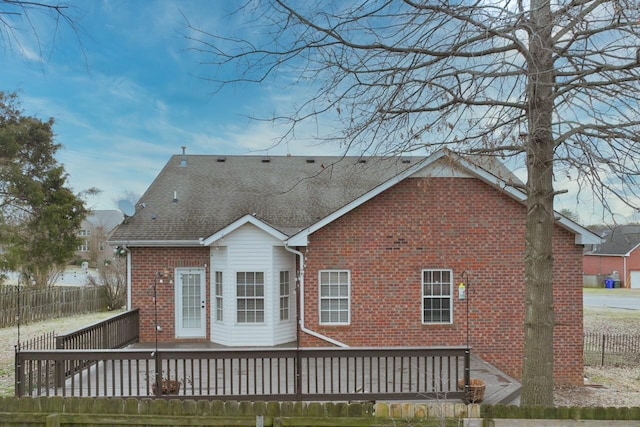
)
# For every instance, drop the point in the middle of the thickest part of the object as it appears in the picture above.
(604, 386)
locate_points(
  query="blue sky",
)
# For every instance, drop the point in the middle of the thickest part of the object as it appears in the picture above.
(125, 94)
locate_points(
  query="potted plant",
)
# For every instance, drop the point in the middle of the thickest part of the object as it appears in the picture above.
(476, 390)
(167, 386)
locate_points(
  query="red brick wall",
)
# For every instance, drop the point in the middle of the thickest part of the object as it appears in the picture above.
(596, 264)
(145, 262)
(443, 223)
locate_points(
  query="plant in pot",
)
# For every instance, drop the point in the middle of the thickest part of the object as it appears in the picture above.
(168, 384)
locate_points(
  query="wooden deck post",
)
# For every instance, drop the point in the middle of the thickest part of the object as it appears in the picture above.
(59, 365)
(19, 373)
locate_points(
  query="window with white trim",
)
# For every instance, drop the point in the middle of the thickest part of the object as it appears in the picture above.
(285, 291)
(84, 245)
(437, 296)
(335, 296)
(219, 300)
(250, 297)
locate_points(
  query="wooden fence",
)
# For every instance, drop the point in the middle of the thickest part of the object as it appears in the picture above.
(32, 305)
(611, 349)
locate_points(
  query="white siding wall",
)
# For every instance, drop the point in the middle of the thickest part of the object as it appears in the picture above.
(284, 331)
(220, 332)
(250, 249)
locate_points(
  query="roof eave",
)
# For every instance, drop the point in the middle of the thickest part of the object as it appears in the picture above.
(301, 238)
(246, 219)
(583, 236)
(611, 255)
(155, 243)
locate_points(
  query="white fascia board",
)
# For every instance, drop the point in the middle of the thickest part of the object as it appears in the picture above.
(154, 243)
(611, 255)
(302, 237)
(632, 249)
(247, 219)
(491, 179)
(583, 236)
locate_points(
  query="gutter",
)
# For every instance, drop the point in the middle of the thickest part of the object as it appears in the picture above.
(155, 243)
(129, 290)
(301, 308)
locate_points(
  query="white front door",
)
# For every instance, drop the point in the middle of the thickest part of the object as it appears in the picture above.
(190, 303)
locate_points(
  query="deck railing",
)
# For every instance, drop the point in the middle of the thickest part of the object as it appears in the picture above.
(115, 332)
(250, 374)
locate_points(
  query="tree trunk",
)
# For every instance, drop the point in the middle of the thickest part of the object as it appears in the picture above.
(537, 378)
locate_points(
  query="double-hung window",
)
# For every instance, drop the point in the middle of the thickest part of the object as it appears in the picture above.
(285, 291)
(250, 297)
(437, 296)
(219, 297)
(335, 296)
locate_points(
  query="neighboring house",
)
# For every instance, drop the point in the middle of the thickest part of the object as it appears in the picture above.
(376, 247)
(618, 256)
(95, 232)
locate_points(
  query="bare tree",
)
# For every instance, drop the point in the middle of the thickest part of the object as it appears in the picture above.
(113, 276)
(20, 19)
(552, 85)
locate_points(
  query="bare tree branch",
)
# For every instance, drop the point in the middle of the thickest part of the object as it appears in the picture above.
(555, 86)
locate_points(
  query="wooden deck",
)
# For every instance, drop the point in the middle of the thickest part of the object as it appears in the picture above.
(250, 374)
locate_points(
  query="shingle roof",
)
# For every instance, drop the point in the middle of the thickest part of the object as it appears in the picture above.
(107, 219)
(197, 196)
(618, 241)
(288, 193)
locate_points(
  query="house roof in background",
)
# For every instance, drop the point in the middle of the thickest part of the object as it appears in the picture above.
(106, 219)
(619, 240)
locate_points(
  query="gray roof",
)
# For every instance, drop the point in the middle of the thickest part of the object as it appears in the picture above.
(619, 240)
(197, 196)
(288, 193)
(105, 219)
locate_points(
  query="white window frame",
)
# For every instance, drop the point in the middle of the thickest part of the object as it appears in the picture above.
(218, 284)
(257, 298)
(285, 295)
(432, 296)
(344, 298)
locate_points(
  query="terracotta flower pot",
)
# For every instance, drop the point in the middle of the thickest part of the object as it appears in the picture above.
(167, 387)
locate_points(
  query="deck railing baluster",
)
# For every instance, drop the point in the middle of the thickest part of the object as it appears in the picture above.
(241, 374)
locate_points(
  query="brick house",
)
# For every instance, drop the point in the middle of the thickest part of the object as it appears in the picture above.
(377, 247)
(95, 231)
(618, 256)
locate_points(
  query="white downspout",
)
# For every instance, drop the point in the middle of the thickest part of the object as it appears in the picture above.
(301, 308)
(128, 277)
